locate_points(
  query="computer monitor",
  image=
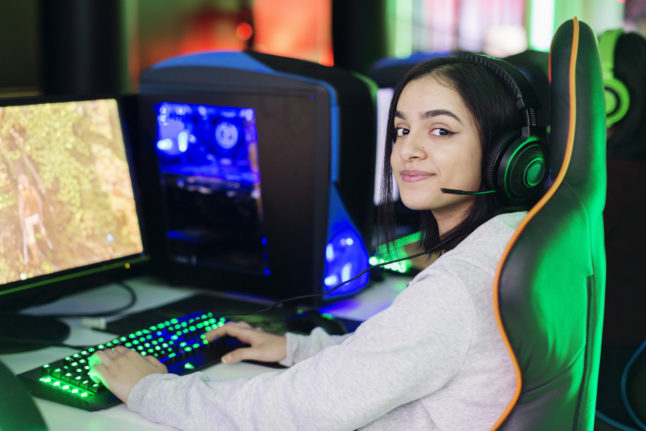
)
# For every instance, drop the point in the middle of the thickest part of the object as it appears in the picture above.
(68, 207)
(264, 167)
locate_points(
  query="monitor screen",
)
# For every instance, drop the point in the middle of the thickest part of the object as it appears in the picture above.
(208, 162)
(67, 205)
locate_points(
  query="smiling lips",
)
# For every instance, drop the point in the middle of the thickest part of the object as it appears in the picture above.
(415, 176)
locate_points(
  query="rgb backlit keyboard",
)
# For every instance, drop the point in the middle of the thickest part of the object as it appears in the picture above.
(179, 343)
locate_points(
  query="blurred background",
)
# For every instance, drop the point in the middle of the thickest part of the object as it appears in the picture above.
(81, 46)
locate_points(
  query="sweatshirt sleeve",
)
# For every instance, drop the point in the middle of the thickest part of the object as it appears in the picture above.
(301, 347)
(411, 349)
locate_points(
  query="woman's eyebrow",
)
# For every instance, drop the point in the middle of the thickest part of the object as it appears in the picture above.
(438, 112)
(430, 114)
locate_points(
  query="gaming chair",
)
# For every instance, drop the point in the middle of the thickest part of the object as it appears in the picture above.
(18, 411)
(550, 282)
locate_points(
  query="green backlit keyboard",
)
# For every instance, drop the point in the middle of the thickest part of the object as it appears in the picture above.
(178, 343)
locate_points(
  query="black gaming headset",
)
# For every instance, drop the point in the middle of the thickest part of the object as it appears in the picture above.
(517, 164)
(616, 93)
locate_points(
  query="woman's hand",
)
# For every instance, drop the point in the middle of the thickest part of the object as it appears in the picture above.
(120, 369)
(264, 346)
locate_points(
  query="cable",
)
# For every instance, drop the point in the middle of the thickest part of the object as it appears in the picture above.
(261, 310)
(92, 323)
(315, 295)
(131, 302)
(613, 422)
(624, 395)
(624, 398)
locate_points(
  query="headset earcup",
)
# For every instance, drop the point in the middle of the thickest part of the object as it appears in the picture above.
(516, 168)
(616, 94)
(523, 169)
(617, 101)
(495, 154)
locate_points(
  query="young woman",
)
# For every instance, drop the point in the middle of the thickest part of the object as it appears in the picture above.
(435, 358)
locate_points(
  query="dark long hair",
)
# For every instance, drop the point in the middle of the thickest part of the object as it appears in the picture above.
(494, 111)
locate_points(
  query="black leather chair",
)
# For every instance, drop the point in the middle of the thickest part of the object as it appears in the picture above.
(549, 289)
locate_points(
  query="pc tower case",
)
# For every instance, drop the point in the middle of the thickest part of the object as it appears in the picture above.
(262, 172)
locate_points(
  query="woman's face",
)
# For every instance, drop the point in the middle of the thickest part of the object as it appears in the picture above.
(437, 145)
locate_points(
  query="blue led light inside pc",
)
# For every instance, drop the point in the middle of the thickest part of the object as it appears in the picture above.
(208, 162)
(345, 257)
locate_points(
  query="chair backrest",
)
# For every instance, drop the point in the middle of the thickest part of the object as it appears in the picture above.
(18, 411)
(549, 287)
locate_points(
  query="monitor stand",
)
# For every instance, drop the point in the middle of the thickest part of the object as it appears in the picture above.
(25, 332)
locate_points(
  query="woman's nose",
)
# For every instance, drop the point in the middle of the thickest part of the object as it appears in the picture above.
(411, 147)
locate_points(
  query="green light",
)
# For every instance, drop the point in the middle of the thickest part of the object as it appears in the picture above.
(395, 250)
(189, 366)
(70, 276)
(534, 172)
(399, 25)
(76, 390)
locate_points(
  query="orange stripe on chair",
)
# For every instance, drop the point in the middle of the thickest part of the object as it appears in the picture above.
(532, 212)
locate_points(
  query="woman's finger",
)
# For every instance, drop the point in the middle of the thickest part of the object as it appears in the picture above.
(239, 331)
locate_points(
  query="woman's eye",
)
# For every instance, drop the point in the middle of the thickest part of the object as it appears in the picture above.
(400, 131)
(438, 131)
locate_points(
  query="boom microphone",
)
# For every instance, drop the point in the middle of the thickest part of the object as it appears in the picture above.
(464, 192)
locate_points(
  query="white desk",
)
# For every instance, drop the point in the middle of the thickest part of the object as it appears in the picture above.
(151, 294)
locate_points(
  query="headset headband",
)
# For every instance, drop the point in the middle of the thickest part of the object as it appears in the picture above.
(526, 100)
(607, 43)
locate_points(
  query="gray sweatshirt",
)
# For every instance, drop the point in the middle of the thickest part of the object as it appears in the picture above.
(433, 360)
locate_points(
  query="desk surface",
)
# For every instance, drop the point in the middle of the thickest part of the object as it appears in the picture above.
(151, 293)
